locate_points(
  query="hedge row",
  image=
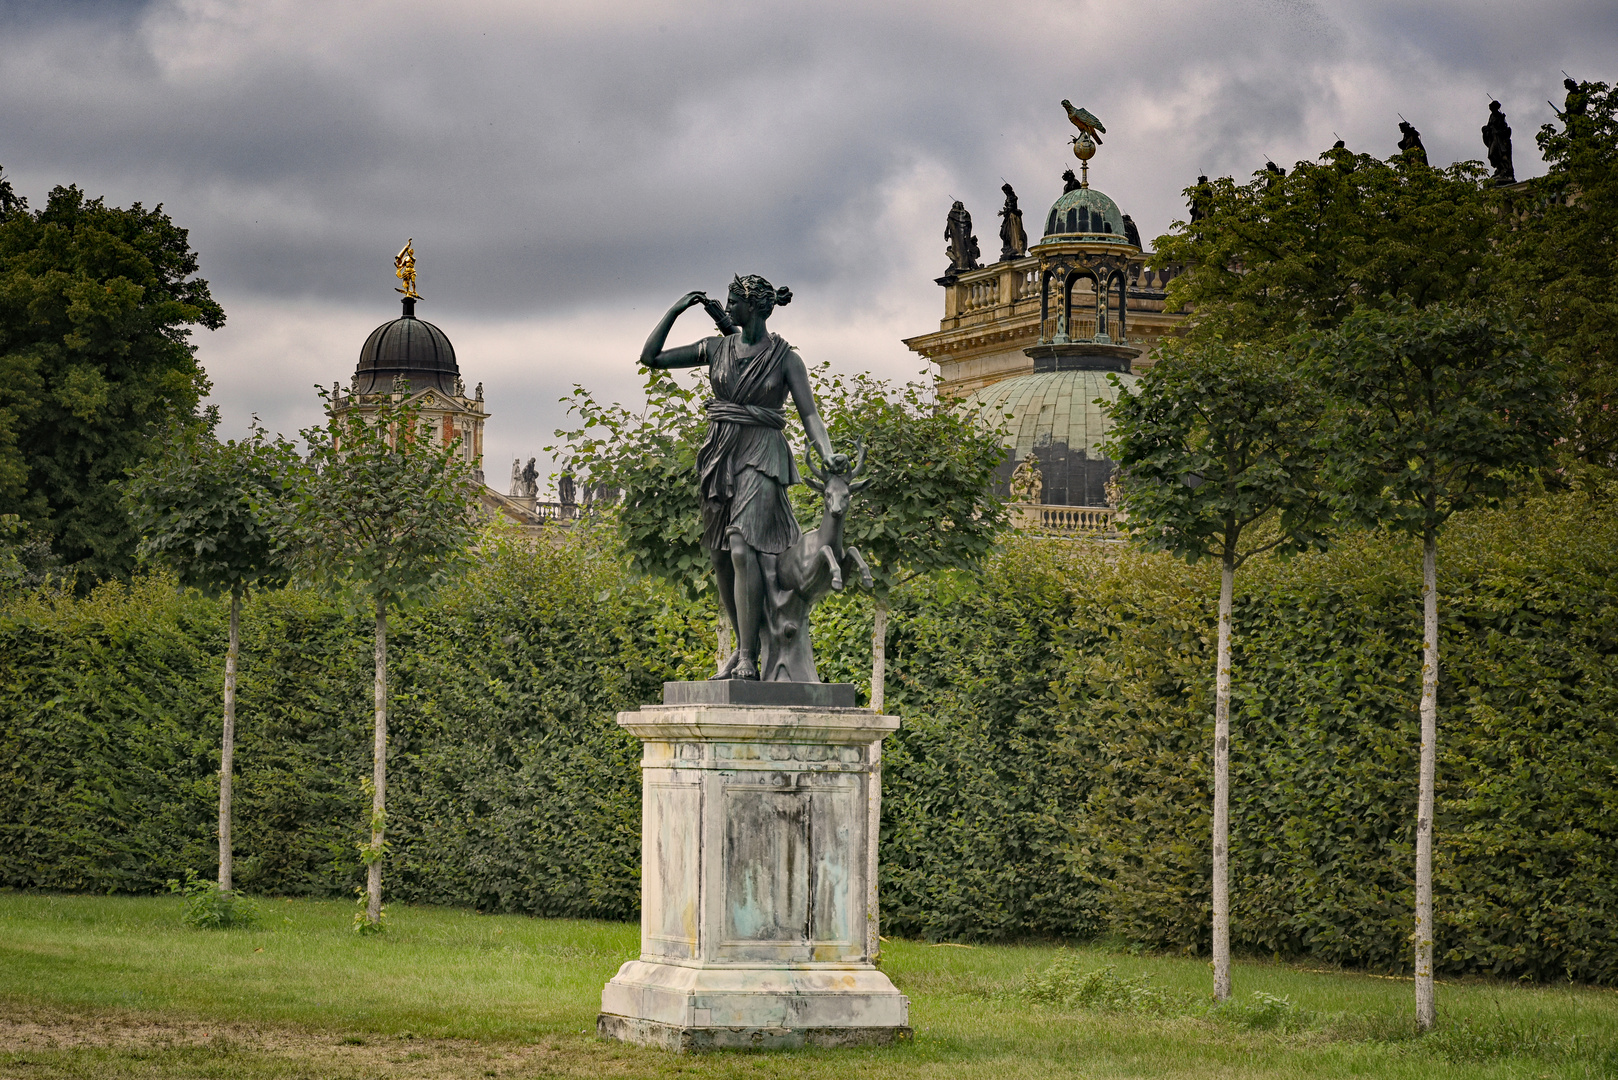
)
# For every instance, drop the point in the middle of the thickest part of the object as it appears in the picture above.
(1051, 777)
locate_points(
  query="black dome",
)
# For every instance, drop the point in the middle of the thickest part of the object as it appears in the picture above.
(410, 347)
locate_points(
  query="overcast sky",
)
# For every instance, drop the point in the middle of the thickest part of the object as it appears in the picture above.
(569, 167)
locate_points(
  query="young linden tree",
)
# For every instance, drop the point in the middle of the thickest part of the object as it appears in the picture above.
(204, 509)
(1441, 409)
(382, 508)
(929, 504)
(1219, 452)
(1350, 238)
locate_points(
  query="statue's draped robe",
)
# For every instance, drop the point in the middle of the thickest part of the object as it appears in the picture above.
(745, 466)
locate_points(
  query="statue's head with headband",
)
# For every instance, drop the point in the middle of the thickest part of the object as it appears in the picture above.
(758, 292)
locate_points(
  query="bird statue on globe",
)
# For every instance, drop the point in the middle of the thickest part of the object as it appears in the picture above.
(1086, 121)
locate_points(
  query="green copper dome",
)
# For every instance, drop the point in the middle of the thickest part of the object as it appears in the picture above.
(1053, 416)
(1086, 212)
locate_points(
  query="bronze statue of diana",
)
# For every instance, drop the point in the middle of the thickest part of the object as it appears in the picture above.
(745, 466)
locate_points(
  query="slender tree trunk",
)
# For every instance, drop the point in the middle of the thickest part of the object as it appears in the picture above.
(879, 654)
(1221, 801)
(1426, 1005)
(379, 768)
(724, 639)
(227, 744)
(873, 806)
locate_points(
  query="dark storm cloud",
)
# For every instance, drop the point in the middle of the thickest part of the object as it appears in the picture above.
(544, 157)
(567, 162)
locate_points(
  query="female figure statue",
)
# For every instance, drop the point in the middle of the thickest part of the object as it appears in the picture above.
(745, 466)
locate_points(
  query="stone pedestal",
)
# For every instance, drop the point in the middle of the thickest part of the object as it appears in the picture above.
(755, 860)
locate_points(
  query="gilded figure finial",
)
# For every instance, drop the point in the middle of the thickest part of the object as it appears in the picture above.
(404, 268)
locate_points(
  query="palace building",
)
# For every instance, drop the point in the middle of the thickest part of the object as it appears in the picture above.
(1034, 339)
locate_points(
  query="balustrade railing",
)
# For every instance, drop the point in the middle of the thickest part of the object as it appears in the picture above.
(1064, 520)
(981, 295)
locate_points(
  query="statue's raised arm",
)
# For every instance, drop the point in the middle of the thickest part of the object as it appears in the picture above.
(653, 355)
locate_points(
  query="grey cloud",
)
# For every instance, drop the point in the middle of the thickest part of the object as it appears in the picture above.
(551, 159)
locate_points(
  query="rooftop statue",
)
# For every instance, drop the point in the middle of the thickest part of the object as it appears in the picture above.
(404, 268)
(1411, 141)
(1086, 121)
(1013, 238)
(769, 572)
(1497, 137)
(1069, 182)
(1577, 100)
(1199, 200)
(530, 480)
(1131, 232)
(963, 246)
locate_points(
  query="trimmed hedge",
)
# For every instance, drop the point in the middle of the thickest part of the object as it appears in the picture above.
(1051, 777)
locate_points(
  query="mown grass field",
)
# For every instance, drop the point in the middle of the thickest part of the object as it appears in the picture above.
(119, 986)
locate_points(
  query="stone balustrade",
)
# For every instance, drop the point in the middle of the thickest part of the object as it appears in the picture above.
(1064, 520)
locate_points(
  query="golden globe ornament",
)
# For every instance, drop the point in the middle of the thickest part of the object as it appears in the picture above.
(1084, 147)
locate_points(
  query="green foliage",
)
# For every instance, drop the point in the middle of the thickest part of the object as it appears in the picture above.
(1103, 989)
(208, 907)
(204, 509)
(1264, 1012)
(362, 917)
(1280, 255)
(1562, 266)
(379, 505)
(1442, 409)
(650, 458)
(1215, 439)
(95, 305)
(510, 785)
(1050, 779)
(929, 504)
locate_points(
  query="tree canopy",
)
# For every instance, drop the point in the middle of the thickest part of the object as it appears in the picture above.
(206, 509)
(1300, 251)
(378, 506)
(1216, 440)
(96, 306)
(929, 504)
(1562, 265)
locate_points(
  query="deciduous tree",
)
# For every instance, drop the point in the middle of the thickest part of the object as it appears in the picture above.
(206, 510)
(96, 305)
(381, 508)
(929, 504)
(1279, 255)
(1441, 409)
(1561, 266)
(1220, 452)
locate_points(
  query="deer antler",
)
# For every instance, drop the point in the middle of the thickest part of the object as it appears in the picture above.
(810, 458)
(859, 459)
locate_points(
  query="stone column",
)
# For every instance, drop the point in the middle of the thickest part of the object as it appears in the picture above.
(755, 856)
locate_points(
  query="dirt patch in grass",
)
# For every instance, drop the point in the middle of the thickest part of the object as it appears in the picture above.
(55, 1043)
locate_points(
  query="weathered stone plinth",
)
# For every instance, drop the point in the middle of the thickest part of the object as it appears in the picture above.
(755, 861)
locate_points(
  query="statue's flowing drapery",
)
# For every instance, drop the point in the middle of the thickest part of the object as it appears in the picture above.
(745, 466)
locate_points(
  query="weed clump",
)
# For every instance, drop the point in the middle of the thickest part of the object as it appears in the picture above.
(1264, 1012)
(208, 907)
(1063, 984)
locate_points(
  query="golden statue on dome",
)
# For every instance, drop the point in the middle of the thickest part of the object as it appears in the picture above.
(404, 268)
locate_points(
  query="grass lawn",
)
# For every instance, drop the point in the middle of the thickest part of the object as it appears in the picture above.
(118, 986)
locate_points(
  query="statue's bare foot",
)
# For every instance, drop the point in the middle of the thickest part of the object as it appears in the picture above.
(728, 669)
(746, 669)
